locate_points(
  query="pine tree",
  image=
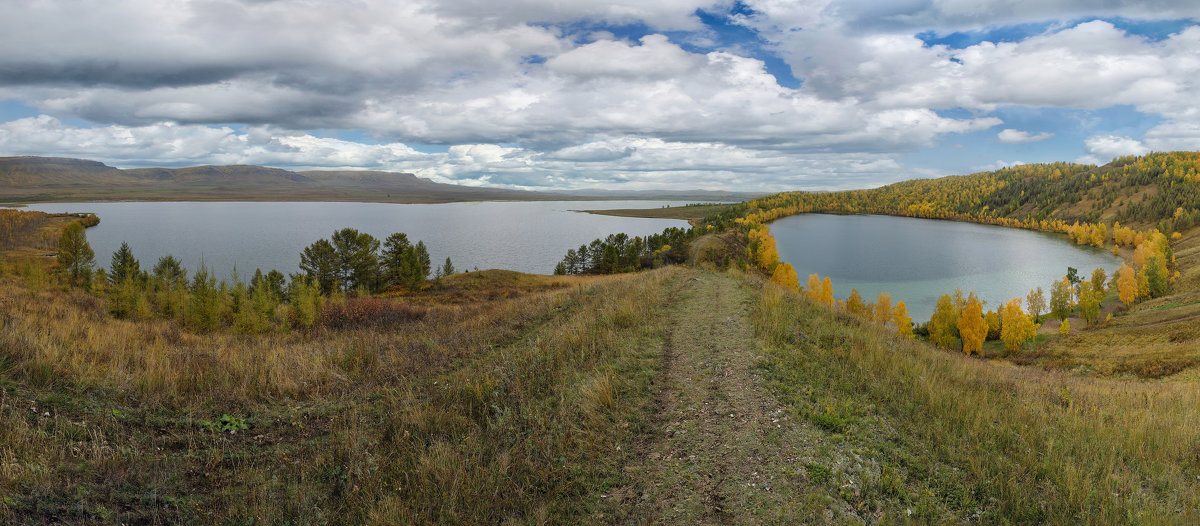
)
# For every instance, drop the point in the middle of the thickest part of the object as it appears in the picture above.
(124, 266)
(319, 261)
(423, 258)
(75, 255)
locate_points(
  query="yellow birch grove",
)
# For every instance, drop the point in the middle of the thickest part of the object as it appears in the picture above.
(1016, 327)
(761, 249)
(785, 275)
(902, 320)
(971, 326)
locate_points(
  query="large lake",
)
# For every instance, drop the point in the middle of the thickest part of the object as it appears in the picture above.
(918, 260)
(524, 236)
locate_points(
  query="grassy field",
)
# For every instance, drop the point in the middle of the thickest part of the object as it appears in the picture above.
(688, 213)
(679, 395)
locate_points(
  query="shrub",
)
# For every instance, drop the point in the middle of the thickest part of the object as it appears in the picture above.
(360, 312)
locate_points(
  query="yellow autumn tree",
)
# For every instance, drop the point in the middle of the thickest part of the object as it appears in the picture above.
(902, 320)
(943, 325)
(855, 305)
(1127, 285)
(1016, 327)
(883, 308)
(972, 328)
(785, 275)
(813, 290)
(827, 293)
(993, 324)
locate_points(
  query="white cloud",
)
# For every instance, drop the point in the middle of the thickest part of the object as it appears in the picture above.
(545, 92)
(1104, 148)
(1011, 136)
(617, 163)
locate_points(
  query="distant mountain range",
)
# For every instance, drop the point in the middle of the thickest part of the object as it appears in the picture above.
(40, 179)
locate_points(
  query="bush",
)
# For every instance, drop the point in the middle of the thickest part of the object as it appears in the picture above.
(360, 312)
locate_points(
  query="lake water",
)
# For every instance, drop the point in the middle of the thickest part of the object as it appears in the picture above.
(918, 260)
(524, 236)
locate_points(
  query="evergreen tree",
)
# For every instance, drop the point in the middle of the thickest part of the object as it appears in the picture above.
(75, 255)
(169, 272)
(398, 260)
(448, 268)
(358, 262)
(124, 266)
(423, 258)
(320, 262)
(1155, 271)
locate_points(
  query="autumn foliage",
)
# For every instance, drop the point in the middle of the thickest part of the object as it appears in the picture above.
(369, 311)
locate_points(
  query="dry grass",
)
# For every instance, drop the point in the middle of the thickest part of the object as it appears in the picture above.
(508, 409)
(956, 438)
(689, 213)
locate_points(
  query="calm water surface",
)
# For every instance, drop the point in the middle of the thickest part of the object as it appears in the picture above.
(918, 260)
(524, 236)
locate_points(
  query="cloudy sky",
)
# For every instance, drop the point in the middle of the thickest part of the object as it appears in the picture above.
(634, 94)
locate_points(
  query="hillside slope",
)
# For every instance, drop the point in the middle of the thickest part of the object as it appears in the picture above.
(32, 179)
(1160, 190)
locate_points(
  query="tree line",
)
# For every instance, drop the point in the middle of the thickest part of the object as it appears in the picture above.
(349, 262)
(623, 253)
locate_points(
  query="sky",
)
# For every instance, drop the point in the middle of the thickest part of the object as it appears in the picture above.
(753, 95)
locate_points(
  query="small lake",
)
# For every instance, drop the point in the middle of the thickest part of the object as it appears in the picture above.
(918, 260)
(524, 236)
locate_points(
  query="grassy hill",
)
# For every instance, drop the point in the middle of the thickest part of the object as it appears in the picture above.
(687, 394)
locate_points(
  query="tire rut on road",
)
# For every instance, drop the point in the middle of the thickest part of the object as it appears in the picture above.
(711, 453)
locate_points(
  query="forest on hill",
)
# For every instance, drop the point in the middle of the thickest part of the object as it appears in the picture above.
(1158, 190)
